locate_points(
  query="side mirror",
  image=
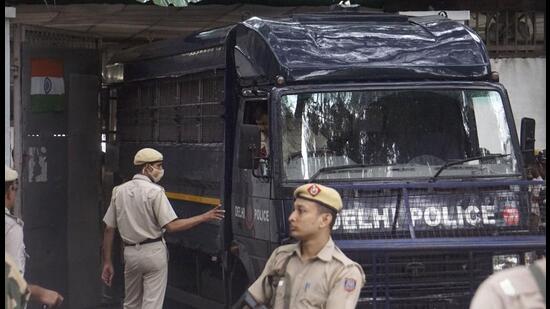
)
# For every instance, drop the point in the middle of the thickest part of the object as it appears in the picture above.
(249, 145)
(527, 140)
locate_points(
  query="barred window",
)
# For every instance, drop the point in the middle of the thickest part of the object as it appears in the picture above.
(510, 33)
(173, 110)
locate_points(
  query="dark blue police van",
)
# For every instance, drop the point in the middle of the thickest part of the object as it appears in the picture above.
(401, 115)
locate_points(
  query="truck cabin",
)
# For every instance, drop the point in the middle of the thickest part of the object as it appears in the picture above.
(380, 90)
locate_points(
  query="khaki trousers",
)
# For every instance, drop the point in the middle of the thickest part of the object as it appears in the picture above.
(145, 275)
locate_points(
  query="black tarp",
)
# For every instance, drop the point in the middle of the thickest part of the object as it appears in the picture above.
(324, 48)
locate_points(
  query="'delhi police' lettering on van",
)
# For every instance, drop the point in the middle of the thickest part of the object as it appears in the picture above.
(453, 217)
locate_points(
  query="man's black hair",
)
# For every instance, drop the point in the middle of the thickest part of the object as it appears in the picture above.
(326, 210)
(139, 168)
(8, 185)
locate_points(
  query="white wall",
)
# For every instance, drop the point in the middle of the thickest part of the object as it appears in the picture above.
(525, 80)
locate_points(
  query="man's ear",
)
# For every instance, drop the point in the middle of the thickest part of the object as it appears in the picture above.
(326, 218)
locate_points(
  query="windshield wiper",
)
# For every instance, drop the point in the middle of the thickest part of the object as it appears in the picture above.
(339, 168)
(458, 162)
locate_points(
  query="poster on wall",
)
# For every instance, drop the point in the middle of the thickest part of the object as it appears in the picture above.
(47, 85)
(38, 164)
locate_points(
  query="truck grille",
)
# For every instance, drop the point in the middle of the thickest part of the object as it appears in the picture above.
(438, 280)
(508, 209)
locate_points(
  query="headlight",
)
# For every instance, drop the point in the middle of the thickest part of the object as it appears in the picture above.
(504, 261)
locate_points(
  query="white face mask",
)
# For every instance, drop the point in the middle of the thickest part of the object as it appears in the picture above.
(156, 174)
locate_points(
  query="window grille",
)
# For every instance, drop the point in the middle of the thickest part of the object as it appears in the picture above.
(511, 33)
(173, 110)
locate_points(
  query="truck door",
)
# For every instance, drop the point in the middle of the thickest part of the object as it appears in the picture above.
(251, 180)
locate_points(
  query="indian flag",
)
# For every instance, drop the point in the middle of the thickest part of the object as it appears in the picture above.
(47, 85)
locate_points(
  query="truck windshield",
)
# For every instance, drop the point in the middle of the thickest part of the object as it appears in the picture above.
(381, 134)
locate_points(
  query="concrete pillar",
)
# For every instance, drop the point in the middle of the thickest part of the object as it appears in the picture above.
(9, 13)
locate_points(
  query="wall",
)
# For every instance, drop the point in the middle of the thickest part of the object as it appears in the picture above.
(525, 79)
(59, 161)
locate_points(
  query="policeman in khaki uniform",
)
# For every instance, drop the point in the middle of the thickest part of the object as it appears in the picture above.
(313, 273)
(141, 211)
(521, 287)
(13, 228)
(17, 290)
(15, 247)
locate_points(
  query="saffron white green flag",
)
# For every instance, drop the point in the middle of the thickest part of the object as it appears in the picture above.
(47, 85)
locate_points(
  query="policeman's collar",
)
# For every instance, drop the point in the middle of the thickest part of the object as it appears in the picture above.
(325, 254)
(142, 177)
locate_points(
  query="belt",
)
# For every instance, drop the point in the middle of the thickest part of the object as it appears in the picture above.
(149, 240)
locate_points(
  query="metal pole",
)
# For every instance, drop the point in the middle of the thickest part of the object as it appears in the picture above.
(9, 13)
(17, 158)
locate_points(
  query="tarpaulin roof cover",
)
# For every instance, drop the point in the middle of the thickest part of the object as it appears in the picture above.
(326, 47)
(364, 47)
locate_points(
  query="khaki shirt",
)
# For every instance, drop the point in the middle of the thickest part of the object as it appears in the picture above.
(330, 280)
(139, 209)
(513, 288)
(13, 241)
(17, 290)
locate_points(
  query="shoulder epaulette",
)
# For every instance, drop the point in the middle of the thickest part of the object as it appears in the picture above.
(340, 256)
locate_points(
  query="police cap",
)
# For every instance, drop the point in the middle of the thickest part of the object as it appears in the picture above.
(323, 195)
(147, 155)
(10, 175)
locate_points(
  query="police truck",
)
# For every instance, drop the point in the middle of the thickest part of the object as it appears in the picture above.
(402, 115)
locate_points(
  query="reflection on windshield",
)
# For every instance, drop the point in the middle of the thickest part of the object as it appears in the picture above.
(394, 134)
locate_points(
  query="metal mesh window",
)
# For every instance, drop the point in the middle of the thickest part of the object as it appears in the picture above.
(182, 110)
(169, 124)
(212, 110)
(147, 111)
(128, 107)
(37, 36)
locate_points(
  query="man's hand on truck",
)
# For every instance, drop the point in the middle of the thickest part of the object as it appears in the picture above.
(214, 214)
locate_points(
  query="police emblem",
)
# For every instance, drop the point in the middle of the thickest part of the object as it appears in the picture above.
(349, 284)
(313, 190)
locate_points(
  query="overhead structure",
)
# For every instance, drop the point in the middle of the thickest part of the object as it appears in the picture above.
(178, 3)
(137, 23)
